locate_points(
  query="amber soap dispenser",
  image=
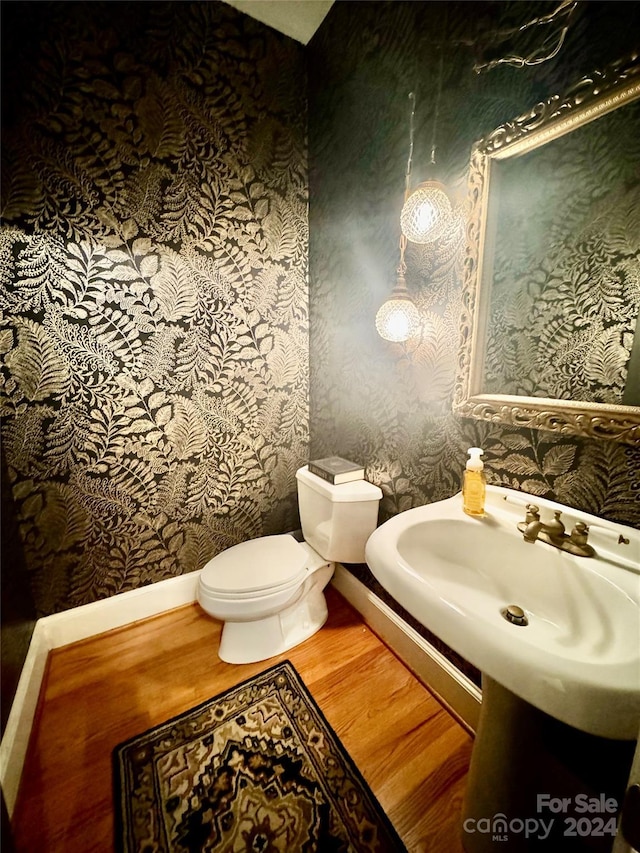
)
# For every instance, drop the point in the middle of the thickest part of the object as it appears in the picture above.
(474, 484)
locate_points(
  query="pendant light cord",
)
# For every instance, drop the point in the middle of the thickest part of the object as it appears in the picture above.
(542, 53)
(407, 175)
(402, 267)
(436, 114)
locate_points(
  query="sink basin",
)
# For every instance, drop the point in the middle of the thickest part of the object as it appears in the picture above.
(578, 658)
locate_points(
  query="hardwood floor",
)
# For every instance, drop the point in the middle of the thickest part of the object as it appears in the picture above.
(101, 691)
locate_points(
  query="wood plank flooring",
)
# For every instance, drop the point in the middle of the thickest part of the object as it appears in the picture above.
(101, 691)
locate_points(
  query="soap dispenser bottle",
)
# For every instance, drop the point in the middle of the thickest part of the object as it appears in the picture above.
(474, 484)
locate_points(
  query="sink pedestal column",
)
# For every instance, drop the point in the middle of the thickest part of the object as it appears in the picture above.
(527, 769)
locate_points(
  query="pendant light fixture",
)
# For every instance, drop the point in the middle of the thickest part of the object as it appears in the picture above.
(426, 215)
(398, 319)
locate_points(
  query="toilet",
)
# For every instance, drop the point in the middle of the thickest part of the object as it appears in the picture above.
(269, 591)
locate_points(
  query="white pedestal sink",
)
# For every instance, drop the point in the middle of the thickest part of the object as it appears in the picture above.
(574, 664)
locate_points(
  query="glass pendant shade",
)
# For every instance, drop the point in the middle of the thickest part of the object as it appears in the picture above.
(398, 318)
(426, 214)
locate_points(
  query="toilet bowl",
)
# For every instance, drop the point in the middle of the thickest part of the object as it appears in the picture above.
(269, 591)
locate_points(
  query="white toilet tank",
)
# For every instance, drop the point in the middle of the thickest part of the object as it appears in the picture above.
(337, 520)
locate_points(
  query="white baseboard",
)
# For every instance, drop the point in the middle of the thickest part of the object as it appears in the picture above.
(459, 694)
(15, 739)
(70, 626)
(452, 688)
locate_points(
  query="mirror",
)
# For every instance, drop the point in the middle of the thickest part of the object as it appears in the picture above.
(551, 290)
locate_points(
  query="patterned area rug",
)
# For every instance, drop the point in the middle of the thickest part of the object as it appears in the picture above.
(255, 769)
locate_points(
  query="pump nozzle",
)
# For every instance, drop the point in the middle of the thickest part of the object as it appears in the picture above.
(474, 463)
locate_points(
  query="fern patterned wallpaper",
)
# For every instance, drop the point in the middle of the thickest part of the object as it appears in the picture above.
(156, 361)
(154, 296)
(566, 273)
(389, 405)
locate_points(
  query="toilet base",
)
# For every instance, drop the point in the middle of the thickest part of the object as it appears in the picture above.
(260, 639)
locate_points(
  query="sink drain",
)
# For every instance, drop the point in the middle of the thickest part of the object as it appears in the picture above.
(515, 615)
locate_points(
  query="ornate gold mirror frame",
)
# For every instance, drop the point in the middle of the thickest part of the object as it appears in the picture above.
(592, 98)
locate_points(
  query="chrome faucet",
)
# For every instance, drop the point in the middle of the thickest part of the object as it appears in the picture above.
(553, 533)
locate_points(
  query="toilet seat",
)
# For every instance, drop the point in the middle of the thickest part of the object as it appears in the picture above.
(251, 569)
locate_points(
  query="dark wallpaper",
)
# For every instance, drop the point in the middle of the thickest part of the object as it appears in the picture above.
(153, 288)
(389, 405)
(170, 339)
(566, 265)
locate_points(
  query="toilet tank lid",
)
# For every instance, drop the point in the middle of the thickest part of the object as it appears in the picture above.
(356, 490)
(258, 564)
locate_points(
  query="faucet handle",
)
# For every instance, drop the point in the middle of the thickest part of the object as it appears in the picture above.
(577, 543)
(533, 514)
(580, 533)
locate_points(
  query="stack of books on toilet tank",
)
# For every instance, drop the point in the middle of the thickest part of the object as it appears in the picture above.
(336, 470)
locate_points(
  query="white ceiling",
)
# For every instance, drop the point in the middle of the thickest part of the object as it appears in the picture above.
(298, 19)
